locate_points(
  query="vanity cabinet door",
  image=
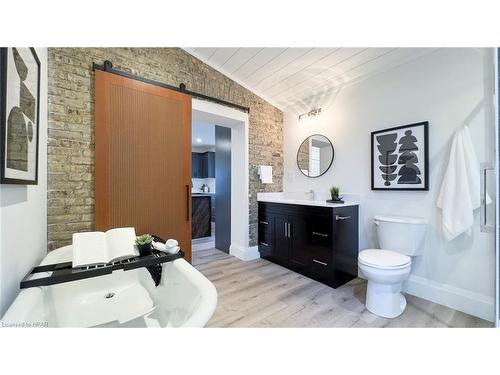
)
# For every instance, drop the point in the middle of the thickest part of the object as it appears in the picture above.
(300, 257)
(211, 164)
(345, 242)
(195, 165)
(281, 240)
(203, 162)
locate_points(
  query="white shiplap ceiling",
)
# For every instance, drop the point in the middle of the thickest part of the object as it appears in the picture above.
(302, 78)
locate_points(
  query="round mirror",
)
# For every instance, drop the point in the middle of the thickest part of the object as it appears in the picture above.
(315, 155)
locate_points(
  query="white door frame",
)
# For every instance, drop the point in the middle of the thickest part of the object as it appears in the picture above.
(496, 106)
(238, 121)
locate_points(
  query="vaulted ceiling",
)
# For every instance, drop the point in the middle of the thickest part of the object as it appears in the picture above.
(302, 78)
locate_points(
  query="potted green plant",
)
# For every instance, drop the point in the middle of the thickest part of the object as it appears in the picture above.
(144, 243)
(334, 192)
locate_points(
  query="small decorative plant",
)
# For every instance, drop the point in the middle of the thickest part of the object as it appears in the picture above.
(334, 191)
(144, 243)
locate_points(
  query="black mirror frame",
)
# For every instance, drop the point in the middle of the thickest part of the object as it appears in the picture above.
(331, 161)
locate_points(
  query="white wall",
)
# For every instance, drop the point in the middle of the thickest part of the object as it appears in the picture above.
(446, 88)
(198, 182)
(23, 214)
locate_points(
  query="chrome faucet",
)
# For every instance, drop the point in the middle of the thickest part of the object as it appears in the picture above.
(312, 194)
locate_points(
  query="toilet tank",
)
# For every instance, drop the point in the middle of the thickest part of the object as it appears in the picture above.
(404, 235)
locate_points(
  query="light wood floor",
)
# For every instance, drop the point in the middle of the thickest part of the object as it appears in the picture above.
(259, 293)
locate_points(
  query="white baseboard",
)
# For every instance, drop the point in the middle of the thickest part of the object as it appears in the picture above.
(247, 253)
(455, 298)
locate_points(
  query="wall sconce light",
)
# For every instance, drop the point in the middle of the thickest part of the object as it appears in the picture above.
(312, 113)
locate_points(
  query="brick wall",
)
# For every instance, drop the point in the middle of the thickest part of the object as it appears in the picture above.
(71, 126)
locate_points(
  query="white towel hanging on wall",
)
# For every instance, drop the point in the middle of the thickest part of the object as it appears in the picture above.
(460, 190)
(266, 174)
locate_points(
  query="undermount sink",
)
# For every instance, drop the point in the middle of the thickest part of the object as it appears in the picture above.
(184, 298)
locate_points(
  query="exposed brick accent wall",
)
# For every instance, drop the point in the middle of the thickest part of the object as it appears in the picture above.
(71, 126)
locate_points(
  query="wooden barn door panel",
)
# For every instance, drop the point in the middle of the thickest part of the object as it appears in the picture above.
(143, 158)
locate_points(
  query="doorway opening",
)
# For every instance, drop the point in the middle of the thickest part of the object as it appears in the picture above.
(220, 178)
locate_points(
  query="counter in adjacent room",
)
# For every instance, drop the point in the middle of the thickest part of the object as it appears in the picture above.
(201, 209)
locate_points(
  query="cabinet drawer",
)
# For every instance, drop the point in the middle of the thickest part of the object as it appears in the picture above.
(320, 231)
(321, 271)
(265, 248)
(265, 233)
(320, 254)
(265, 225)
(266, 237)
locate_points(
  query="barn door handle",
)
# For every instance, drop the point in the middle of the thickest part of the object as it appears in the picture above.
(187, 203)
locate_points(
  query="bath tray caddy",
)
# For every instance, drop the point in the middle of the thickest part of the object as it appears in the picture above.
(64, 272)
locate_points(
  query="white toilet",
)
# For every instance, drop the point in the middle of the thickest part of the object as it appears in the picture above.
(400, 238)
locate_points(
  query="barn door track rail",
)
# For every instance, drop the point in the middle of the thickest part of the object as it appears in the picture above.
(107, 66)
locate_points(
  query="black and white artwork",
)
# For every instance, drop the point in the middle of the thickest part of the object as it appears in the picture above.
(19, 114)
(400, 158)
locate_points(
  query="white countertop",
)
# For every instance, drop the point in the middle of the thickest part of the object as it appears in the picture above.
(304, 199)
(202, 194)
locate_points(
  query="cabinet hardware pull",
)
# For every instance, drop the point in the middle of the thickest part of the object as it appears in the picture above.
(322, 263)
(288, 230)
(286, 235)
(263, 243)
(264, 222)
(337, 217)
(320, 234)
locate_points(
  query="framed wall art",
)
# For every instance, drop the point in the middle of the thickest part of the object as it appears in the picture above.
(19, 115)
(400, 158)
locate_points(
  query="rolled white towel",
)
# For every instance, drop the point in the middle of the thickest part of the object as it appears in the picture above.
(169, 247)
(171, 243)
(159, 246)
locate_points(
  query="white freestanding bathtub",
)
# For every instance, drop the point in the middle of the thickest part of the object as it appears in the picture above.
(184, 298)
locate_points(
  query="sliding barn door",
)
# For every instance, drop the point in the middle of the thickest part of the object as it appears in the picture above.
(142, 158)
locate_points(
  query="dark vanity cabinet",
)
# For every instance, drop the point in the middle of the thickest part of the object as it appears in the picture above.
(195, 165)
(210, 164)
(318, 242)
(203, 164)
(201, 216)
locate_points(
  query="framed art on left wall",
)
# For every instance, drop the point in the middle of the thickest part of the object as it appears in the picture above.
(19, 115)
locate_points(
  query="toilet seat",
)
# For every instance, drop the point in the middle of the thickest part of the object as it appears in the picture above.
(383, 259)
